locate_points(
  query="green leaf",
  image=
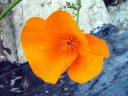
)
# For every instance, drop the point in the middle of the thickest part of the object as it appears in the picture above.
(68, 4)
(74, 7)
(9, 7)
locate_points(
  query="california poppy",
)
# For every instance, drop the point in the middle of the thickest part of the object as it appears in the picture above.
(57, 44)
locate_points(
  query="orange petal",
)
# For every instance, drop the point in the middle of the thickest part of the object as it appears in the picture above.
(32, 42)
(60, 24)
(55, 67)
(85, 68)
(46, 61)
(60, 27)
(97, 46)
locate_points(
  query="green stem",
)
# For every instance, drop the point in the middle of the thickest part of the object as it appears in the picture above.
(78, 11)
(77, 18)
(9, 7)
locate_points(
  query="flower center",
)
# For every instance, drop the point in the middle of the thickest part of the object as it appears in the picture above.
(68, 44)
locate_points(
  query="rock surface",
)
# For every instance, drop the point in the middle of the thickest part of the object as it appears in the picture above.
(119, 15)
(93, 13)
(18, 80)
(113, 79)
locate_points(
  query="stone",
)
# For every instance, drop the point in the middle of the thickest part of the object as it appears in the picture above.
(92, 14)
(19, 80)
(119, 15)
(113, 79)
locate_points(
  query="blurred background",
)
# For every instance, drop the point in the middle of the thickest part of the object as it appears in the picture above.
(107, 19)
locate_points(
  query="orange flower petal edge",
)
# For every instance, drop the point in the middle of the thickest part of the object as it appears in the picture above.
(85, 67)
(88, 65)
(98, 46)
(52, 46)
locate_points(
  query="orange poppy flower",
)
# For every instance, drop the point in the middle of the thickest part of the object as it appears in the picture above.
(57, 44)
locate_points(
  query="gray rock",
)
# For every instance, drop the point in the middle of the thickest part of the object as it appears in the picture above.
(20, 81)
(113, 79)
(119, 14)
(93, 13)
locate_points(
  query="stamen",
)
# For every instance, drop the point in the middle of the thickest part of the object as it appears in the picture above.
(68, 45)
